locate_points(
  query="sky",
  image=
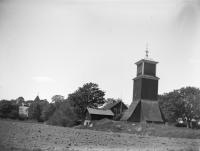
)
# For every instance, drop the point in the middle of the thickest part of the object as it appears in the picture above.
(52, 47)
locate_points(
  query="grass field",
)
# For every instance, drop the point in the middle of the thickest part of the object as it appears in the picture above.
(149, 129)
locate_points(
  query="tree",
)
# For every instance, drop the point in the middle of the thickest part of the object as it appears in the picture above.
(184, 103)
(48, 111)
(57, 100)
(110, 100)
(63, 116)
(35, 111)
(36, 108)
(8, 110)
(5, 108)
(20, 100)
(191, 101)
(89, 95)
(171, 105)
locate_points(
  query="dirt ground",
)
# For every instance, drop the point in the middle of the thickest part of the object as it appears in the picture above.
(18, 136)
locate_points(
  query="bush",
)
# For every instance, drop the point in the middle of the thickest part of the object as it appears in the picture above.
(118, 117)
(64, 116)
(14, 114)
(8, 110)
(180, 125)
(21, 118)
(48, 111)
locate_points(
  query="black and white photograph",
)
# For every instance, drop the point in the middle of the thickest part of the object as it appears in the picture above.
(99, 75)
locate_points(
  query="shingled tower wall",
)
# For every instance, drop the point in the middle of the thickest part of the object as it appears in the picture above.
(144, 106)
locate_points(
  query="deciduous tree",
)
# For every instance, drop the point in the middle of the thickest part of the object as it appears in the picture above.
(48, 111)
(89, 95)
(184, 103)
(57, 100)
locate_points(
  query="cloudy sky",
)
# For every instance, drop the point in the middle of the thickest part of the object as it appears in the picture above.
(53, 47)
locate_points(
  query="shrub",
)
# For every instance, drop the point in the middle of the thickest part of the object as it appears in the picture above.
(8, 110)
(21, 118)
(180, 125)
(14, 114)
(118, 117)
(48, 111)
(63, 116)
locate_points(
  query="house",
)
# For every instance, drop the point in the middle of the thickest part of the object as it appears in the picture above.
(97, 114)
(116, 107)
(23, 111)
(23, 108)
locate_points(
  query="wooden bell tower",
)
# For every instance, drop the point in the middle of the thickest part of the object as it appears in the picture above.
(146, 83)
(144, 106)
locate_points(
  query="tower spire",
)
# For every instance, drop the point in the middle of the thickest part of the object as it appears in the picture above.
(147, 50)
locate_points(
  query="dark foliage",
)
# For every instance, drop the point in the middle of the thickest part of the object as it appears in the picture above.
(182, 103)
(48, 111)
(89, 95)
(35, 110)
(57, 100)
(20, 100)
(118, 116)
(63, 116)
(8, 110)
(180, 125)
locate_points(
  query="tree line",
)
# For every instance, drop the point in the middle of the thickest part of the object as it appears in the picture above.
(182, 103)
(61, 111)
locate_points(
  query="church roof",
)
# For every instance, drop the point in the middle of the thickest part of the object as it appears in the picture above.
(37, 99)
(100, 112)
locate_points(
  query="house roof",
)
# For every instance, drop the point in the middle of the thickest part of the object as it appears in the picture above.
(100, 112)
(110, 105)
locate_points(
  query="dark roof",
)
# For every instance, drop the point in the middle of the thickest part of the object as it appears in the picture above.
(130, 110)
(150, 110)
(100, 112)
(37, 99)
(148, 60)
(110, 105)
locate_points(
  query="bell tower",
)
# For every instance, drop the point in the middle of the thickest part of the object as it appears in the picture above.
(144, 106)
(145, 83)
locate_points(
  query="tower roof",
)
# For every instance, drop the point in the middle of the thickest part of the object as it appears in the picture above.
(37, 98)
(150, 111)
(147, 60)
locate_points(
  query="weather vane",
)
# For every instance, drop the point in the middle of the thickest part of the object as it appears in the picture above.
(147, 51)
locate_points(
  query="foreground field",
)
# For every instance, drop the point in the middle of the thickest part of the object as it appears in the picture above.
(147, 129)
(39, 137)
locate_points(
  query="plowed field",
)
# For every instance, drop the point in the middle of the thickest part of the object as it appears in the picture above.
(39, 137)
